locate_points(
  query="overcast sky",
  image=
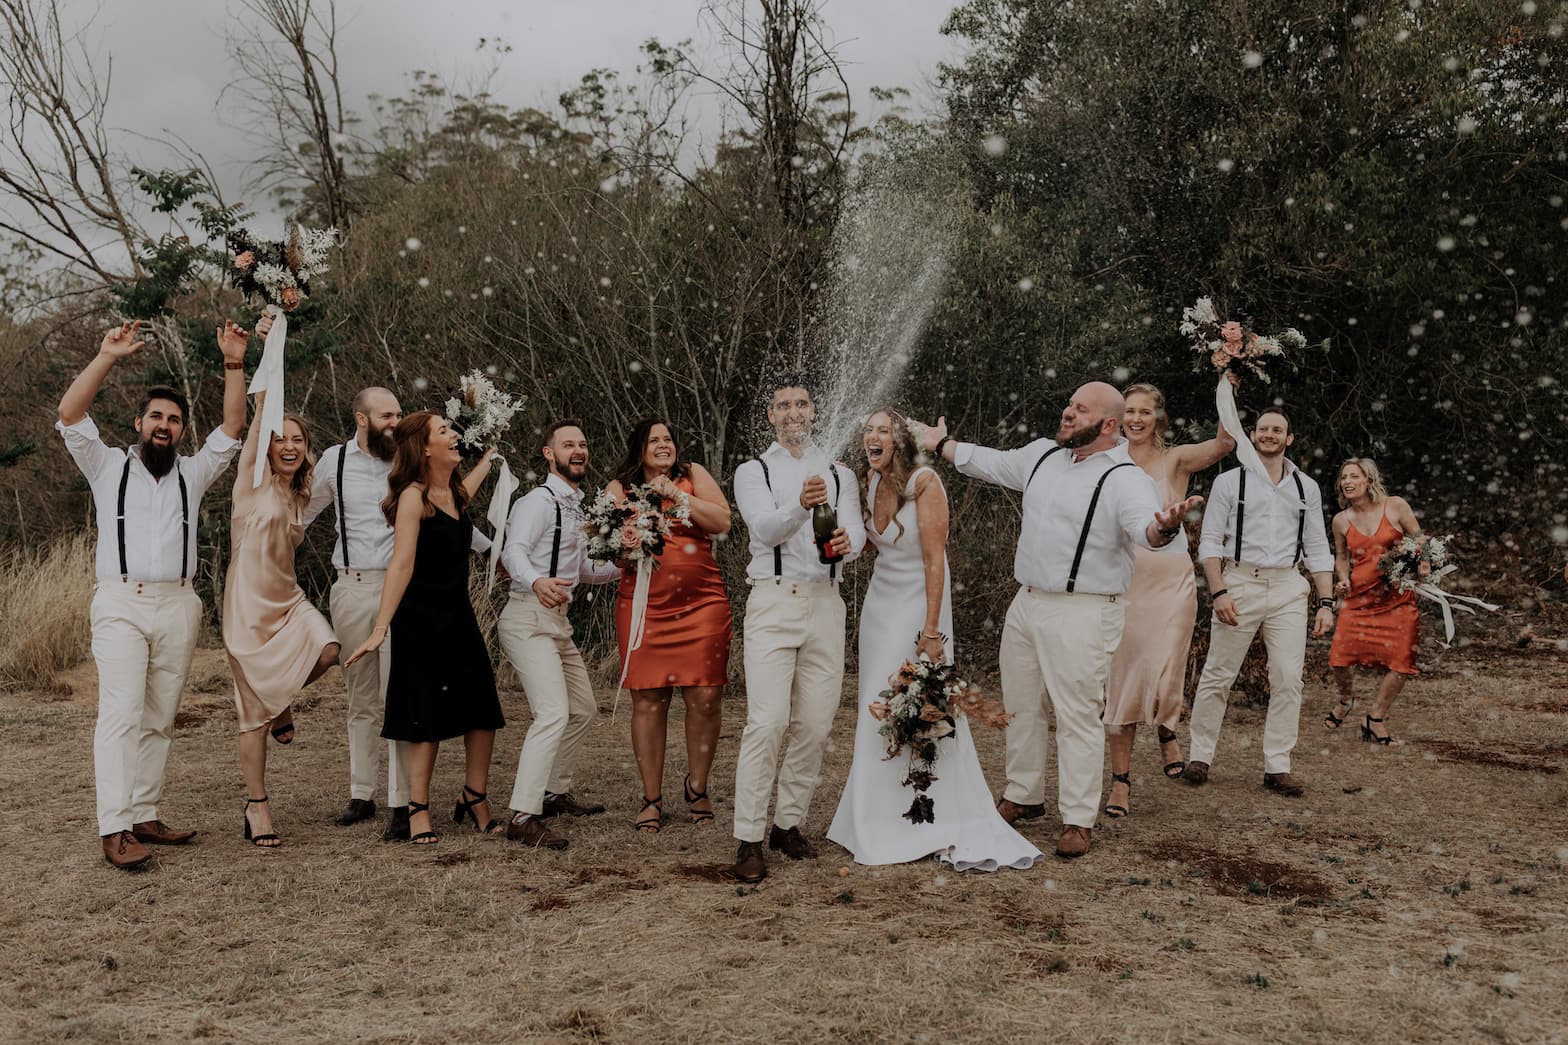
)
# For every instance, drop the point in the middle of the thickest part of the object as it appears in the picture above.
(170, 63)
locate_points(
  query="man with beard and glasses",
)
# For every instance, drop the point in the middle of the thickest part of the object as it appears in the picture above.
(145, 613)
(1086, 505)
(543, 553)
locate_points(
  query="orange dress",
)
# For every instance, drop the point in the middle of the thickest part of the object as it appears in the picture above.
(686, 636)
(1377, 626)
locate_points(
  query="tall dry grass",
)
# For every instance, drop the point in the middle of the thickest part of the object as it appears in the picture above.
(45, 597)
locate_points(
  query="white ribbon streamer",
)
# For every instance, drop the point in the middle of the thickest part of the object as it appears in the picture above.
(634, 632)
(500, 507)
(1246, 453)
(1430, 590)
(268, 378)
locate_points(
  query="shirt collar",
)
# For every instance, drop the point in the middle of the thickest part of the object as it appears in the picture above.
(778, 449)
(561, 488)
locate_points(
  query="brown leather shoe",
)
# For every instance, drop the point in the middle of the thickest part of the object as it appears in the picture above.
(123, 851)
(1012, 812)
(791, 843)
(1074, 841)
(156, 832)
(1284, 784)
(749, 863)
(565, 805)
(1196, 774)
(532, 832)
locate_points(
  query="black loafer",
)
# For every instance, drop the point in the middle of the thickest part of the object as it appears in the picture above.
(357, 809)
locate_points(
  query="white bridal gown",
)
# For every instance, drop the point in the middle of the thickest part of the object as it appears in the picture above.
(968, 832)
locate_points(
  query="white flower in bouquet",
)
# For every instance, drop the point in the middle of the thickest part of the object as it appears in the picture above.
(481, 411)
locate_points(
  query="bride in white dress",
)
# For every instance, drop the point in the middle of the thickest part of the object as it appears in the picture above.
(907, 610)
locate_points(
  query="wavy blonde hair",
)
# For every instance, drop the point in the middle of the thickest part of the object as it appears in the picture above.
(905, 459)
(1143, 388)
(1375, 488)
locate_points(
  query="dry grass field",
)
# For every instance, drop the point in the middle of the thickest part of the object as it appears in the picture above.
(1416, 894)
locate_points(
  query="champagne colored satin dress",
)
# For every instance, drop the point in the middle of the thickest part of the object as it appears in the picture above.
(271, 632)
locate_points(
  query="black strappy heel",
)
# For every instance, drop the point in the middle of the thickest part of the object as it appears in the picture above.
(423, 837)
(284, 729)
(1175, 767)
(650, 827)
(465, 810)
(1116, 812)
(259, 841)
(1333, 721)
(698, 816)
(1367, 734)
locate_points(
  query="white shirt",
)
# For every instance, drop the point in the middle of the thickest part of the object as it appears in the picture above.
(775, 519)
(1268, 531)
(152, 506)
(530, 538)
(365, 475)
(1055, 505)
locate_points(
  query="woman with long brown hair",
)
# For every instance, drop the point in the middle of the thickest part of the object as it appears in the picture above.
(440, 685)
(688, 627)
(276, 641)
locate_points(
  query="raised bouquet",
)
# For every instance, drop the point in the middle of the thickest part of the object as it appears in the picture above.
(1401, 564)
(480, 412)
(633, 531)
(1231, 348)
(917, 710)
(279, 272)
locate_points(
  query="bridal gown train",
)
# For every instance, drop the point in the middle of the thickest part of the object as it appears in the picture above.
(968, 832)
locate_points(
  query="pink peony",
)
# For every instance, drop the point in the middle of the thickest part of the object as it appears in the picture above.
(1233, 334)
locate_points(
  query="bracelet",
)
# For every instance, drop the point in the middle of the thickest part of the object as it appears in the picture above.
(929, 635)
(1216, 594)
(1327, 604)
(936, 451)
(233, 366)
(1171, 532)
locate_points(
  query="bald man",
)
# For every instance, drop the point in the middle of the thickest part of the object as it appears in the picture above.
(1085, 506)
(353, 476)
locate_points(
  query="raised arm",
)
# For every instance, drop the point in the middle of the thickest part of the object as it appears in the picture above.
(248, 451)
(931, 514)
(476, 476)
(405, 540)
(1191, 458)
(119, 343)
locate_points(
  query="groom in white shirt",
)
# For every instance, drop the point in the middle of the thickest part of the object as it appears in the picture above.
(794, 629)
(1085, 506)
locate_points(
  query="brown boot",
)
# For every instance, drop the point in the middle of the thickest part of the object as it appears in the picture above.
(791, 843)
(749, 863)
(1073, 842)
(532, 832)
(1284, 784)
(123, 851)
(1012, 812)
(156, 832)
(1196, 774)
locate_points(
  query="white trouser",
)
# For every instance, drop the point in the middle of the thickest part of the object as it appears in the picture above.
(1059, 646)
(356, 598)
(143, 637)
(538, 642)
(1275, 600)
(794, 657)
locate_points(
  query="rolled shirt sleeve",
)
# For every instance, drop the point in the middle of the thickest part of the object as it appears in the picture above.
(525, 526)
(1216, 517)
(1316, 549)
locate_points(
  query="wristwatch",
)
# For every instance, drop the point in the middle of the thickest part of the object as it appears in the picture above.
(1328, 604)
(936, 451)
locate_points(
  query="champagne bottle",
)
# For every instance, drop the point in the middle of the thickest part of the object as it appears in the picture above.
(824, 521)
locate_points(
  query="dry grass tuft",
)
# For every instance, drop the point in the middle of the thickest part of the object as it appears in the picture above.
(45, 599)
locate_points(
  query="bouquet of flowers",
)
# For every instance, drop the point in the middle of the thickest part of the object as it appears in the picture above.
(280, 272)
(634, 531)
(481, 412)
(1401, 564)
(1231, 348)
(917, 710)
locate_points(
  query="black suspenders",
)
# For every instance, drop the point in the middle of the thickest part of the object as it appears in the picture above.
(342, 520)
(1301, 518)
(555, 545)
(778, 549)
(185, 519)
(1037, 465)
(1088, 519)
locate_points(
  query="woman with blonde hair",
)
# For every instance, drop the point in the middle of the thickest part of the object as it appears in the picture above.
(276, 641)
(1149, 670)
(1378, 626)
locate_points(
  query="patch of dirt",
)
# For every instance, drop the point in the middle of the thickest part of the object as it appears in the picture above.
(452, 859)
(1029, 920)
(1239, 874)
(585, 875)
(1529, 760)
(707, 873)
(551, 903)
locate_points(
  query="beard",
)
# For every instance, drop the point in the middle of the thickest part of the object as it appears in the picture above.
(1077, 439)
(572, 472)
(382, 444)
(158, 458)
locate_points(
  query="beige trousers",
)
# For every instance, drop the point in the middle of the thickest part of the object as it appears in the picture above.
(1059, 646)
(143, 637)
(1275, 600)
(356, 598)
(538, 642)
(794, 657)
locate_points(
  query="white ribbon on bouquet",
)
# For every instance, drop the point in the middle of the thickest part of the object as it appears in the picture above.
(635, 630)
(1246, 453)
(268, 378)
(506, 485)
(1428, 589)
